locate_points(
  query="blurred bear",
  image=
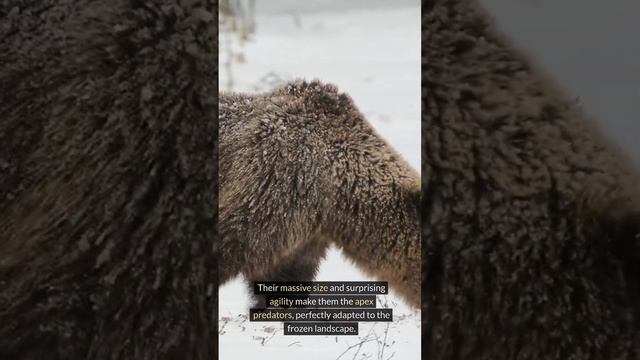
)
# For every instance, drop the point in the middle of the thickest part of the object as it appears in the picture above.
(531, 218)
(108, 167)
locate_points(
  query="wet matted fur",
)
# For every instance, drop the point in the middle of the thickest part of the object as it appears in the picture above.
(301, 168)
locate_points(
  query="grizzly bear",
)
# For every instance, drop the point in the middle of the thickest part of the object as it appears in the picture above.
(531, 218)
(300, 169)
(108, 167)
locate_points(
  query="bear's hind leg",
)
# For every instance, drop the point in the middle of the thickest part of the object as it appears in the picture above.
(301, 266)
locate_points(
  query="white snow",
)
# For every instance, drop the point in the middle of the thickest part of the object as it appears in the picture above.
(373, 54)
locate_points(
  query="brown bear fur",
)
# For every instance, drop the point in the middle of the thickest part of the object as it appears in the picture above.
(107, 179)
(531, 223)
(300, 168)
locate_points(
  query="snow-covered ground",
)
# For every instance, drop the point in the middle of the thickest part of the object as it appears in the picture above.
(373, 54)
